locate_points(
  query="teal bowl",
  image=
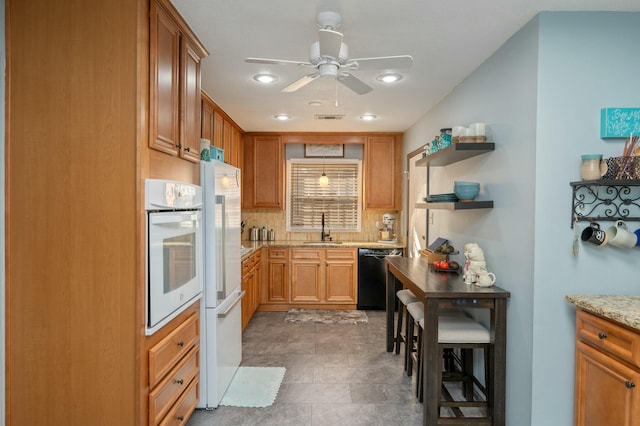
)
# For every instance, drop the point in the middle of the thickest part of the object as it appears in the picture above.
(466, 191)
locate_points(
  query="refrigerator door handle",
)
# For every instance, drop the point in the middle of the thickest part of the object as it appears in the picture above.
(230, 308)
(222, 256)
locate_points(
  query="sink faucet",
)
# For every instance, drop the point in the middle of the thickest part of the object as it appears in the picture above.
(324, 236)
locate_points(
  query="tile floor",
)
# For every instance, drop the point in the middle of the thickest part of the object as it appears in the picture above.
(336, 375)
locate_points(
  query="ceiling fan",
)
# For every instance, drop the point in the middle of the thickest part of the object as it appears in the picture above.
(330, 57)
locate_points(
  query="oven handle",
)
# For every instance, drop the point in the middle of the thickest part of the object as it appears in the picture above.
(165, 218)
(225, 313)
(166, 206)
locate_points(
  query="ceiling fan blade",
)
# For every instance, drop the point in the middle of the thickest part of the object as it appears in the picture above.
(275, 61)
(383, 62)
(354, 83)
(300, 83)
(330, 42)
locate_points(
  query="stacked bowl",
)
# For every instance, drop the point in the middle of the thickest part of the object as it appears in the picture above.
(466, 191)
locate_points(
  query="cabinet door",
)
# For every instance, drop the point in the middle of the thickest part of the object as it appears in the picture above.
(236, 143)
(262, 173)
(278, 290)
(164, 130)
(191, 100)
(606, 392)
(206, 128)
(227, 138)
(257, 286)
(341, 276)
(218, 127)
(382, 173)
(306, 276)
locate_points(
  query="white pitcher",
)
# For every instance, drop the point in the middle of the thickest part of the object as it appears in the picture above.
(486, 279)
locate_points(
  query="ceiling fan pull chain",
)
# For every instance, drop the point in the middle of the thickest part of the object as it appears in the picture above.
(336, 80)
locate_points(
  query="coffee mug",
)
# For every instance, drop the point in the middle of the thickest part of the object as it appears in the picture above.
(486, 280)
(595, 235)
(619, 235)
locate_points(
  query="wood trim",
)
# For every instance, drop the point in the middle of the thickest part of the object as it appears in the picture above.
(325, 137)
(184, 27)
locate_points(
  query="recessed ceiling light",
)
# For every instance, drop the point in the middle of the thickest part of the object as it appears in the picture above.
(282, 117)
(368, 117)
(389, 78)
(265, 78)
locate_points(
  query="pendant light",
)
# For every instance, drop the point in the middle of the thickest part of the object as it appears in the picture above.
(324, 179)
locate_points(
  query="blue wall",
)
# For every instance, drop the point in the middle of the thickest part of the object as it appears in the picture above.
(540, 95)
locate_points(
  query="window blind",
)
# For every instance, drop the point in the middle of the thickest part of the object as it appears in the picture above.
(339, 201)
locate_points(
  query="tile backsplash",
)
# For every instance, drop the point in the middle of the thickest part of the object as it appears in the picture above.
(277, 221)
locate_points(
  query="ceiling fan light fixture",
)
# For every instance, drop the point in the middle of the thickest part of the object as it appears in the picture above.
(368, 117)
(265, 78)
(389, 77)
(282, 117)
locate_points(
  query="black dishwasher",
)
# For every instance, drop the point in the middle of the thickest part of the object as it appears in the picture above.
(372, 276)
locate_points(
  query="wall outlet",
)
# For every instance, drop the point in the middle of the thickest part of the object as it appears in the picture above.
(430, 218)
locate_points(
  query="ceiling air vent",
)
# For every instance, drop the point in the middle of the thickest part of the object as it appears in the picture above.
(329, 116)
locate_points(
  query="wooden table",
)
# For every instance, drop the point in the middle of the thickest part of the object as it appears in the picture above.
(448, 291)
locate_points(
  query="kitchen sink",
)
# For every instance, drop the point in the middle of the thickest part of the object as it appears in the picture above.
(322, 243)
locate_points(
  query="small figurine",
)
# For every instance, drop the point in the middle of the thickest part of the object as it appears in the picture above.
(475, 267)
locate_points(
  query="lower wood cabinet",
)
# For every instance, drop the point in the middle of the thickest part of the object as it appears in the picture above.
(174, 373)
(251, 283)
(310, 277)
(276, 282)
(607, 372)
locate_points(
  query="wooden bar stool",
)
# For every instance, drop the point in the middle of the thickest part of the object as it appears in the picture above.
(465, 334)
(405, 297)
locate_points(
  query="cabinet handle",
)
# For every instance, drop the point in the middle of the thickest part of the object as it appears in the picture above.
(180, 343)
(181, 418)
(179, 146)
(602, 335)
(188, 149)
(629, 384)
(180, 382)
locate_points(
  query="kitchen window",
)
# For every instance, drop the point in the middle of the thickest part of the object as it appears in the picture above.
(340, 200)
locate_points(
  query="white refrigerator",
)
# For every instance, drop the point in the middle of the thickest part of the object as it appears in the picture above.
(221, 313)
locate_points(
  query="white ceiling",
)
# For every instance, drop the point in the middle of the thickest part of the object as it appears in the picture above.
(448, 39)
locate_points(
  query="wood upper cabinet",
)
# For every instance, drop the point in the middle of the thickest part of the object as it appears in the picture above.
(263, 172)
(383, 172)
(607, 372)
(221, 131)
(175, 55)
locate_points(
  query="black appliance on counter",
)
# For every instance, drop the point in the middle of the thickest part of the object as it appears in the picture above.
(372, 276)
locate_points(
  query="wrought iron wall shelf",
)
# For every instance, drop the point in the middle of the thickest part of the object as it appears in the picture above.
(605, 200)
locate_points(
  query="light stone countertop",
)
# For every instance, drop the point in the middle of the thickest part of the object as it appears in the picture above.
(251, 246)
(621, 308)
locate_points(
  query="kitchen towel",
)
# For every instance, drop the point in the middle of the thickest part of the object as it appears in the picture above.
(254, 387)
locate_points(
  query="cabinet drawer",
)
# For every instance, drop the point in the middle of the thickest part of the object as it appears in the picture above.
(306, 254)
(167, 353)
(278, 253)
(608, 336)
(257, 256)
(246, 266)
(184, 407)
(161, 399)
(341, 254)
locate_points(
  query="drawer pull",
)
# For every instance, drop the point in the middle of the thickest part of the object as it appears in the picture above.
(181, 418)
(629, 384)
(180, 343)
(602, 335)
(180, 382)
